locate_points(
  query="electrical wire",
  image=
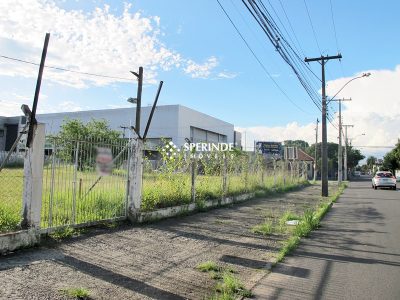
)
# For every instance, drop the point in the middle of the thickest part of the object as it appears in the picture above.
(262, 16)
(63, 69)
(312, 27)
(258, 60)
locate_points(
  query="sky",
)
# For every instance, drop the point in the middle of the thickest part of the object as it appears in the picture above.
(205, 65)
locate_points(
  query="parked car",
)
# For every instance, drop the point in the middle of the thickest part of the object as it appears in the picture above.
(357, 173)
(384, 179)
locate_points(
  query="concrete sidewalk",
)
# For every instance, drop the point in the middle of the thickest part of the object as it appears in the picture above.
(354, 255)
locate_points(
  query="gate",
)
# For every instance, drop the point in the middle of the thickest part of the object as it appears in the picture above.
(85, 181)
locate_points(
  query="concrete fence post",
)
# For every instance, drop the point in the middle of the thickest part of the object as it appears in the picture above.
(193, 171)
(135, 180)
(224, 177)
(33, 179)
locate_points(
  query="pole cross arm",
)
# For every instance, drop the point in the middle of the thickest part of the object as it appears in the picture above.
(339, 56)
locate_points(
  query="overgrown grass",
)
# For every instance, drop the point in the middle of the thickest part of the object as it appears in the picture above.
(231, 287)
(76, 293)
(208, 266)
(71, 199)
(228, 285)
(288, 216)
(265, 228)
(289, 245)
(308, 222)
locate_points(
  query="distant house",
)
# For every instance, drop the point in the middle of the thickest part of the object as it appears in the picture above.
(309, 160)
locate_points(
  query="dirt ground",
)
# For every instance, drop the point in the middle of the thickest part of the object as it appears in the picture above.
(154, 261)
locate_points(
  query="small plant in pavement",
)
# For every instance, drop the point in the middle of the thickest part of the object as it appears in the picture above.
(265, 228)
(77, 293)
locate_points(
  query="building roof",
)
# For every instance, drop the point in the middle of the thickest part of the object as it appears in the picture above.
(304, 156)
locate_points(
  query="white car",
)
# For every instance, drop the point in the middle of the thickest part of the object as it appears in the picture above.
(384, 179)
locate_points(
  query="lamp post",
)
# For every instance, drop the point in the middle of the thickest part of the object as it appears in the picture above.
(340, 130)
(362, 76)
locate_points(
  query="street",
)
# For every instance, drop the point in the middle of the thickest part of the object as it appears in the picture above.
(354, 255)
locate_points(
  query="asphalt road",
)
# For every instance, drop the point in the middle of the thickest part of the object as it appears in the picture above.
(354, 255)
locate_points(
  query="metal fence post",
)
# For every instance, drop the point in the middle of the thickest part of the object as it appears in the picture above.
(127, 176)
(52, 182)
(33, 179)
(74, 183)
(135, 180)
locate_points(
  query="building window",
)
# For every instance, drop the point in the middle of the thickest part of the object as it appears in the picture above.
(1, 132)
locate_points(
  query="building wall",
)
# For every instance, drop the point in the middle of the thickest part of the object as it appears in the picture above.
(190, 118)
(3, 133)
(169, 121)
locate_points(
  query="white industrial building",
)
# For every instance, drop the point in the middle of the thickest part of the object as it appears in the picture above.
(174, 122)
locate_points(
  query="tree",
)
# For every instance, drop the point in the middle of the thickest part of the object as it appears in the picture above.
(353, 157)
(391, 161)
(76, 139)
(371, 160)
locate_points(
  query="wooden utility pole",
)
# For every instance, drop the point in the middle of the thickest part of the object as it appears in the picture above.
(324, 150)
(340, 154)
(315, 151)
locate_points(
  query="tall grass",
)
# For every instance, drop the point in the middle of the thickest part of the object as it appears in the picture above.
(72, 198)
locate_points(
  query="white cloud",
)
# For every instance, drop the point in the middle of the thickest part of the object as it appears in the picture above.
(226, 75)
(96, 42)
(374, 110)
(201, 70)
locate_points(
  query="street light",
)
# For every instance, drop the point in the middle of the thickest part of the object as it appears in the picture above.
(362, 76)
(340, 131)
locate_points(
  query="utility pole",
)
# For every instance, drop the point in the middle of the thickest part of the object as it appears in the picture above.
(138, 99)
(340, 155)
(315, 151)
(345, 149)
(324, 150)
(32, 118)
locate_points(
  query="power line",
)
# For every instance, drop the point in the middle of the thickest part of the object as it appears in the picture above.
(335, 32)
(281, 45)
(312, 26)
(63, 69)
(258, 60)
(334, 27)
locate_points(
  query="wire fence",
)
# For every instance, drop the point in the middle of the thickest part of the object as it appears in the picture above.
(183, 178)
(11, 189)
(84, 180)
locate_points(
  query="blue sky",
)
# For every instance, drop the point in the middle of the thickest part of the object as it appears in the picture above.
(213, 71)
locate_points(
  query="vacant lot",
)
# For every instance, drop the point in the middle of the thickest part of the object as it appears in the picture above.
(71, 196)
(157, 260)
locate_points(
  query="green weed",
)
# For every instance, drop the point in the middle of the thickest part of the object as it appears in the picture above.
(208, 266)
(231, 286)
(77, 293)
(265, 228)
